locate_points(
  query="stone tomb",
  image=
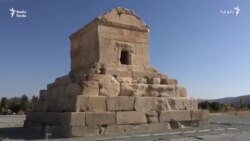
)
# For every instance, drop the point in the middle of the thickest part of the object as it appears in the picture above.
(111, 89)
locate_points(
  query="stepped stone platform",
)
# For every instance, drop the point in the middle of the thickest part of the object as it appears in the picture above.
(111, 88)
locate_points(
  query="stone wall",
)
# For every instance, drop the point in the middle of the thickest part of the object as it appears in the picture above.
(113, 40)
(84, 51)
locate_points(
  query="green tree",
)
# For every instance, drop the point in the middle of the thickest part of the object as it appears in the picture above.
(34, 98)
(215, 106)
(204, 105)
(242, 104)
(15, 104)
(25, 104)
(4, 103)
(248, 106)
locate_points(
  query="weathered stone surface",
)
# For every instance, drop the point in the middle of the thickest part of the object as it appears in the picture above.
(77, 119)
(56, 118)
(163, 76)
(73, 89)
(183, 103)
(109, 89)
(142, 80)
(41, 106)
(63, 80)
(181, 91)
(78, 131)
(44, 95)
(91, 104)
(57, 92)
(104, 118)
(120, 103)
(130, 117)
(63, 104)
(154, 80)
(117, 72)
(139, 74)
(128, 89)
(193, 104)
(152, 117)
(162, 90)
(50, 85)
(169, 81)
(101, 78)
(151, 104)
(202, 115)
(180, 115)
(146, 104)
(90, 88)
(124, 79)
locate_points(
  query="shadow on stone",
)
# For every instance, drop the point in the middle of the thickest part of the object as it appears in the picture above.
(21, 133)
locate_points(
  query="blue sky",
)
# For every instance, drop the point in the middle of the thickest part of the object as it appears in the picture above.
(190, 40)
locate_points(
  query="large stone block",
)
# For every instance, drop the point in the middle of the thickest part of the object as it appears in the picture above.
(104, 118)
(109, 89)
(63, 104)
(151, 104)
(118, 72)
(44, 95)
(201, 115)
(91, 104)
(76, 119)
(63, 80)
(73, 89)
(141, 80)
(181, 91)
(139, 74)
(166, 81)
(41, 106)
(146, 104)
(102, 78)
(57, 92)
(128, 89)
(193, 104)
(131, 117)
(162, 90)
(120, 103)
(50, 85)
(153, 80)
(90, 88)
(56, 118)
(69, 104)
(152, 117)
(183, 103)
(124, 79)
(78, 131)
(180, 115)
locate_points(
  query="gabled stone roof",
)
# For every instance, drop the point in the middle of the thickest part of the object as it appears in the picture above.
(124, 16)
(118, 17)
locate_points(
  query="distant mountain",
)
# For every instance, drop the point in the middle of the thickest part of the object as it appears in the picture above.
(230, 100)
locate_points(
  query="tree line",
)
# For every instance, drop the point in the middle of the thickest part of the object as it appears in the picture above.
(216, 106)
(17, 105)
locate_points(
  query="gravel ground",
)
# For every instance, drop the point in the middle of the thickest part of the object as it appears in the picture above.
(11, 120)
(222, 128)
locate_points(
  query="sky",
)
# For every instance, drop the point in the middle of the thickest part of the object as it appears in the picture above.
(193, 41)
